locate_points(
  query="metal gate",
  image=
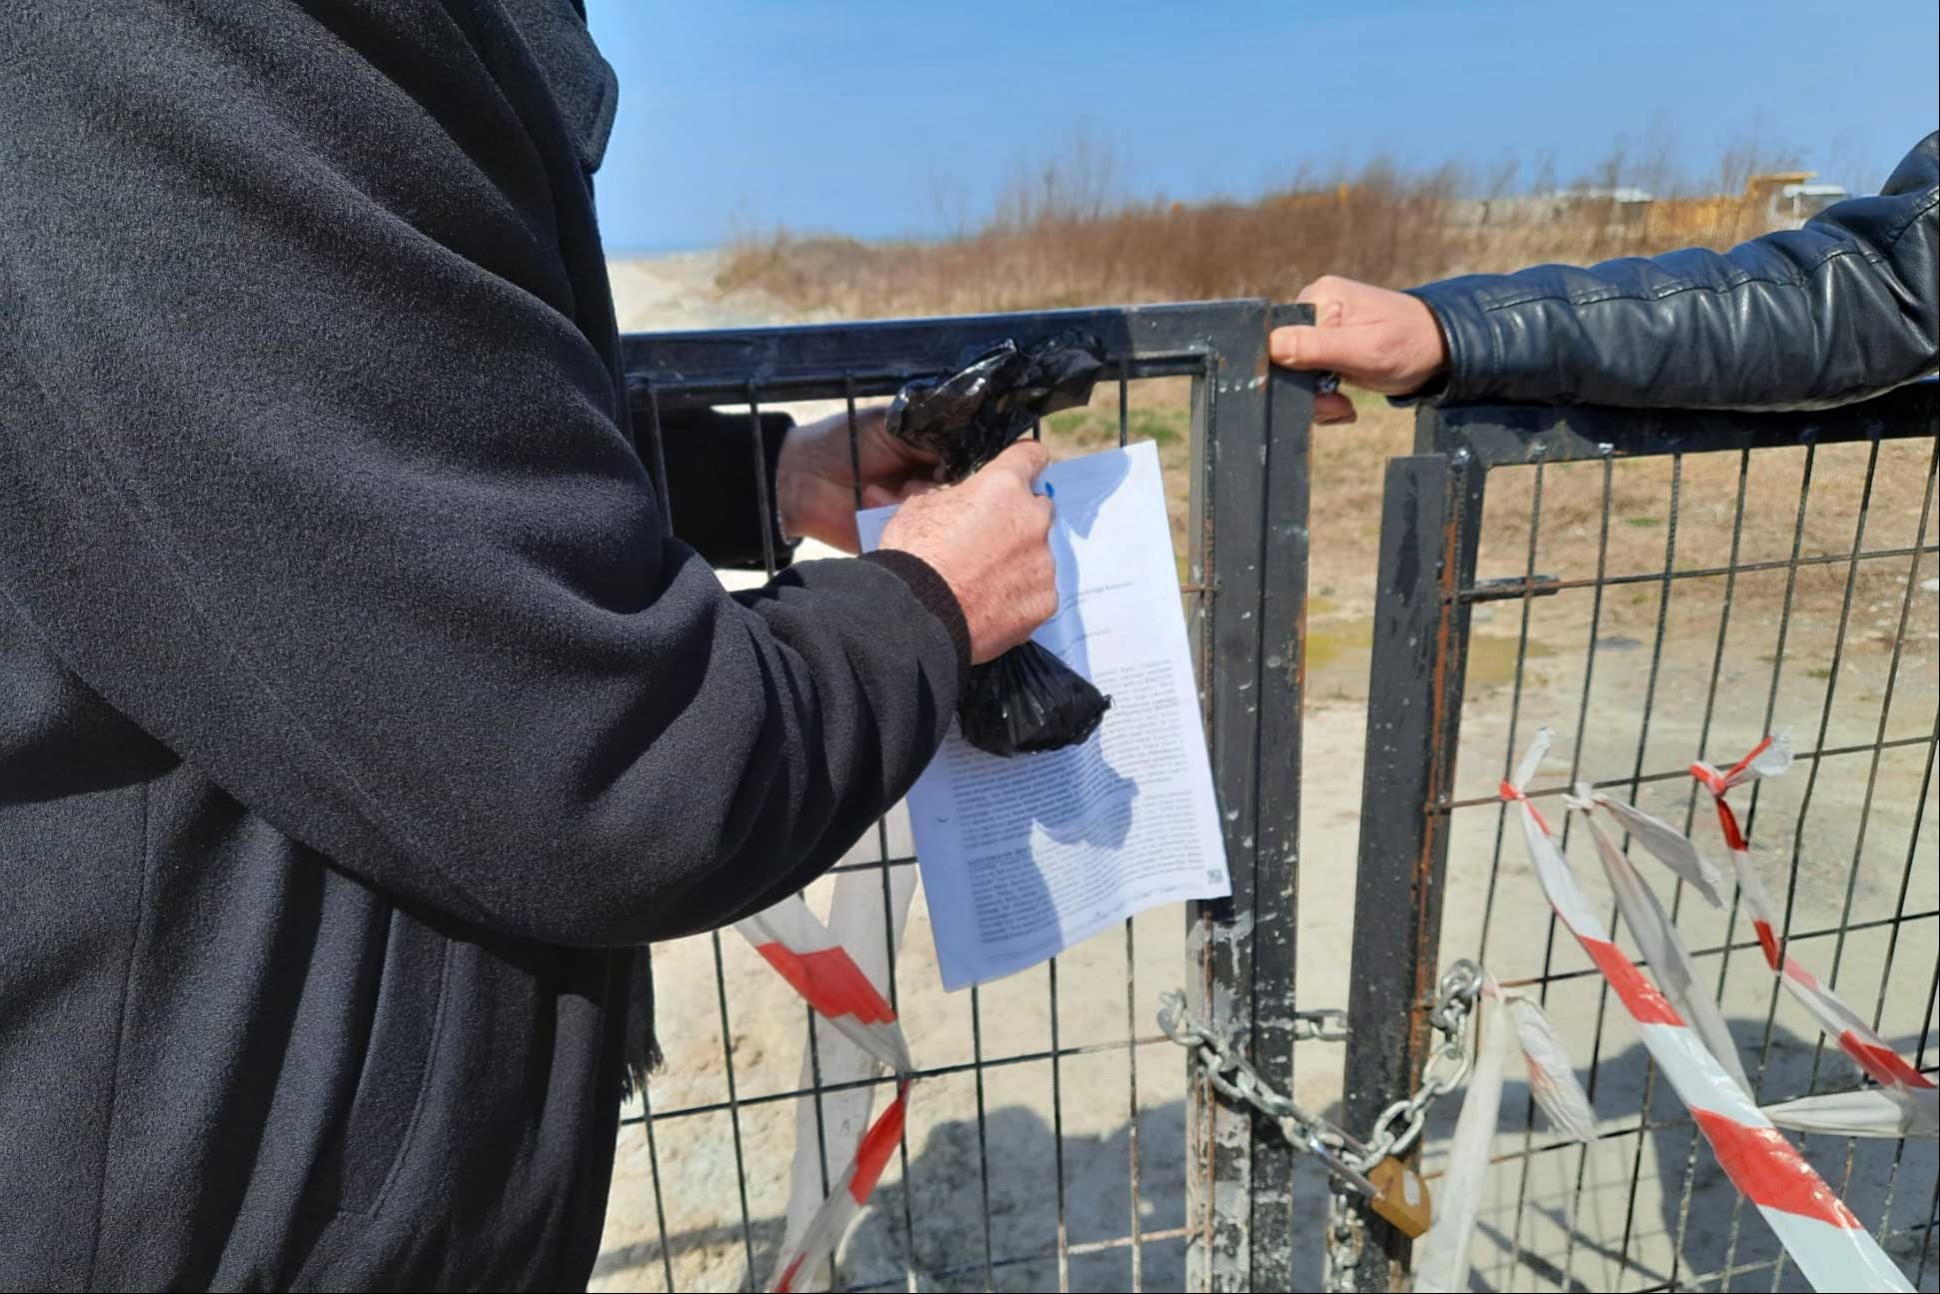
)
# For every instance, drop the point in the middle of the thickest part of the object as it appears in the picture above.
(1215, 1209)
(1781, 579)
(1656, 587)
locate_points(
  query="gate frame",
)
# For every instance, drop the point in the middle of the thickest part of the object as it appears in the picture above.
(1431, 522)
(1248, 563)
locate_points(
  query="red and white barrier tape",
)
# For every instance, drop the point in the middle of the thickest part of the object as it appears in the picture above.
(1552, 1078)
(1663, 842)
(814, 961)
(1443, 1259)
(1864, 1112)
(1818, 1231)
(844, 1204)
(1651, 926)
(795, 942)
(1907, 1085)
(867, 913)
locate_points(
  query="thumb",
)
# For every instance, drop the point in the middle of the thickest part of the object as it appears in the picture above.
(1305, 346)
(1024, 460)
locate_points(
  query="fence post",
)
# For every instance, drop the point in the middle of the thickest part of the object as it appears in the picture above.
(1249, 536)
(1429, 522)
(1276, 1234)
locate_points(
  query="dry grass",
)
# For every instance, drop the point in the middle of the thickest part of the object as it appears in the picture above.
(1058, 238)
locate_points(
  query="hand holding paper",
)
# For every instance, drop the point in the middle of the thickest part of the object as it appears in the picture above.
(1023, 857)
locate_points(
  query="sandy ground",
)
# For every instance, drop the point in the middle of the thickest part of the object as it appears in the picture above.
(1635, 1209)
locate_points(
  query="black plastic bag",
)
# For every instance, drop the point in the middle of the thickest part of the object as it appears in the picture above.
(974, 414)
(1027, 700)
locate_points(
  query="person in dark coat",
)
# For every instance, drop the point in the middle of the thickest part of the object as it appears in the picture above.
(360, 715)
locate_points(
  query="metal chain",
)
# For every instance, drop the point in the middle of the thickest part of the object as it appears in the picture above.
(1345, 1155)
(1218, 1057)
(1328, 1025)
(1447, 1065)
(1346, 1237)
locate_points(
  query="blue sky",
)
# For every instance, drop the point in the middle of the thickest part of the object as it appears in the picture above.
(879, 119)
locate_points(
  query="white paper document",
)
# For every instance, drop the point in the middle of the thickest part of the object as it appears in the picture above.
(1023, 857)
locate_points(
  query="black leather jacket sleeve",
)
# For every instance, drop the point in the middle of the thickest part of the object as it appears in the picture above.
(1839, 310)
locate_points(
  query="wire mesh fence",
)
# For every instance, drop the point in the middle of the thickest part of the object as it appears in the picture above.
(1055, 1139)
(1658, 590)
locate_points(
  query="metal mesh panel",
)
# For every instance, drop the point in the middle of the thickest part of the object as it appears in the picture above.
(1048, 1142)
(1660, 590)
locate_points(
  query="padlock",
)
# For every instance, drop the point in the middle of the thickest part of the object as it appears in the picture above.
(1402, 1199)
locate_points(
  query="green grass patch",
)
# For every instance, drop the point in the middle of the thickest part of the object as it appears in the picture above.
(1099, 427)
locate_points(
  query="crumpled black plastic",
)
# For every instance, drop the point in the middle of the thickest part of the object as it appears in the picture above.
(974, 414)
(1027, 700)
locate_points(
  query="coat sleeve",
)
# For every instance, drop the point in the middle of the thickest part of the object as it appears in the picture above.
(314, 464)
(1839, 310)
(711, 457)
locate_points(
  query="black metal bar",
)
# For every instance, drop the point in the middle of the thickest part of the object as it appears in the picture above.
(1057, 1133)
(1228, 541)
(1576, 761)
(1499, 435)
(1430, 514)
(657, 468)
(977, 1067)
(1751, 810)
(809, 362)
(765, 507)
(1812, 775)
(1510, 751)
(1515, 588)
(733, 1105)
(1688, 1182)
(1636, 771)
(1879, 746)
(1133, 1166)
(1275, 1236)
(1543, 586)
(659, 1200)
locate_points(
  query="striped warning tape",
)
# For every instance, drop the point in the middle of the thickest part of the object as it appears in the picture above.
(1863, 1112)
(1651, 926)
(1903, 1083)
(1818, 1231)
(831, 1221)
(794, 941)
(807, 954)
(1443, 1259)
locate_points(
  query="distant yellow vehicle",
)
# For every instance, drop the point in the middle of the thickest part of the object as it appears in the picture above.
(1770, 201)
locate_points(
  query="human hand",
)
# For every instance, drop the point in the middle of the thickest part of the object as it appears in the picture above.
(815, 476)
(1385, 341)
(987, 537)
